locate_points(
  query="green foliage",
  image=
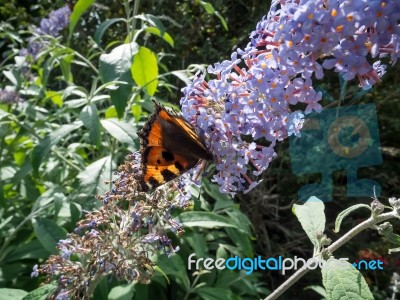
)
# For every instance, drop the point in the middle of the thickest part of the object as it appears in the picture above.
(82, 99)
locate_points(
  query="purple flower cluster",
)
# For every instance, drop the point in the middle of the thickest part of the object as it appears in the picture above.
(249, 106)
(57, 21)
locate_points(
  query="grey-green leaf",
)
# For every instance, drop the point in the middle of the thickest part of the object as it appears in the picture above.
(90, 118)
(92, 179)
(345, 282)
(312, 217)
(42, 149)
(12, 294)
(346, 212)
(41, 293)
(204, 219)
(116, 66)
(121, 292)
(48, 233)
(122, 131)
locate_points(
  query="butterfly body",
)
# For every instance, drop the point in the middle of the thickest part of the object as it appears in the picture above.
(170, 146)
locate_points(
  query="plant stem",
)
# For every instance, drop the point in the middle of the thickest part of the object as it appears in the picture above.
(336, 245)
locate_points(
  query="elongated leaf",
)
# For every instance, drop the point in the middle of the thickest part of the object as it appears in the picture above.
(90, 119)
(312, 218)
(152, 20)
(204, 219)
(116, 66)
(32, 250)
(164, 35)
(120, 130)
(42, 293)
(145, 70)
(346, 212)
(92, 179)
(48, 233)
(345, 282)
(12, 294)
(42, 149)
(210, 10)
(79, 9)
(101, 29)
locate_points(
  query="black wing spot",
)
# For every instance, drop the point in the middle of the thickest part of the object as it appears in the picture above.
(178, 166)
(153, 182)
(168, 175)
(158, 161)
(167, 156)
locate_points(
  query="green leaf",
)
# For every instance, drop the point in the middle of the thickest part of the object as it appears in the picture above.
(90, 119)
(42, 293)
(241, 240)
(122, 131)
(116, 66)
(211, 293)
(48, 233)
(5, 222)
(198, 243)
(59, 199)
(346, 212)
(13, 76)
(210, 10)
(42, 149)
(79, 9)
(31, 250)
(92, 179)
(101, 29)
(203, 219)
(344, 282)
(208, 7)
(122, 292)
(221, 18)
(12, 294)
(136, 111)
(145, 70)
(173, 266)
(111, 112)
(312, 218)
(392, 237)
(152, 20)
(65, 65)
(58, 55)
(55, 97)
(164, 35)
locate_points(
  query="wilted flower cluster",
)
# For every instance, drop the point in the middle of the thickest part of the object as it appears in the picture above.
(9, 96)
(57, 21)
(252, 102)
(118, 239)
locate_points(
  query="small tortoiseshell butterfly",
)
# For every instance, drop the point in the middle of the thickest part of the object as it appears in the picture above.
(170, 146)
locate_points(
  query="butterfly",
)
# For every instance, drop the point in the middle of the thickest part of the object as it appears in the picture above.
(170, 146)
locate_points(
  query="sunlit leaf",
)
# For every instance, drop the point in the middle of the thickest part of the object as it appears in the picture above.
(80, 8)
(145, 70)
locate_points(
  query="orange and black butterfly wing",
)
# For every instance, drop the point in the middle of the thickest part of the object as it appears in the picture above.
(169, 147)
